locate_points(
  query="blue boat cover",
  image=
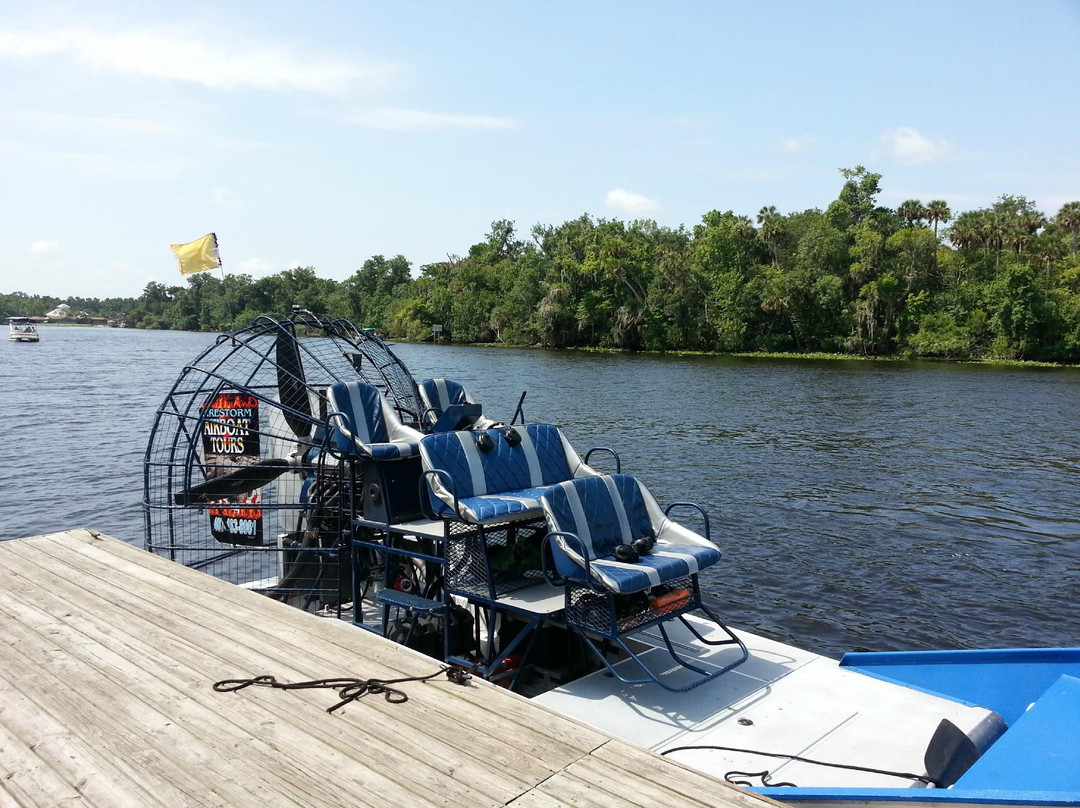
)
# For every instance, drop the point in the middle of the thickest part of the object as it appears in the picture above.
(605, 511)
(1005, 680)
(1040, 752)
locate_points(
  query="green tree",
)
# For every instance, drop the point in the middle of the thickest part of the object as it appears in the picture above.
(966, 232)
(940, 335)
(1028, 224)
(1068, 219)
(676, 295)
(726, 242)
(1047, 249)
(913, 212)
(771, 225)
(365, 295)
(868, 250)
(938, 211)
(857, 277)
(878, 313)
(918, 251)
(857, 200)
(1020, 311)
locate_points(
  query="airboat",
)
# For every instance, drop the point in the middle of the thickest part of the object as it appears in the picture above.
(22, 329)
(298, 457)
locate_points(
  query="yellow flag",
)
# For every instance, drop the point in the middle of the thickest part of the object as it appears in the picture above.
(199, 255)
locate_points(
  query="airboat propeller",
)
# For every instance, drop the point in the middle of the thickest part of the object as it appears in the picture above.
(236, 483)
(246, 412)
(292, 389)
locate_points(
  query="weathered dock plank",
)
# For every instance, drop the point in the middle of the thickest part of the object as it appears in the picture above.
(108, 654)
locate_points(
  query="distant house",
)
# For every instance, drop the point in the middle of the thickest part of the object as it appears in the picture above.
(61, 312)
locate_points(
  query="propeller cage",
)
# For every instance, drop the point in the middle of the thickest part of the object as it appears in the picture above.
(250, 413)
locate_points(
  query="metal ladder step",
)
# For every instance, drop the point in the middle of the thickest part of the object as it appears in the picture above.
(407, 600)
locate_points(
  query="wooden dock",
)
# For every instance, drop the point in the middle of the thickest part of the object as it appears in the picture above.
(108, 655)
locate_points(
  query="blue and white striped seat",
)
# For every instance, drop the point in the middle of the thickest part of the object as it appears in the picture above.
(448, 405)
(362, 423)
(588, 518)
(604, 511)
(502, 484)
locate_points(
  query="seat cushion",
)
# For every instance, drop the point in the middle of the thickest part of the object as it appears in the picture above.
(394, 450)
(666, 563)
(493, 508)
(456, 416)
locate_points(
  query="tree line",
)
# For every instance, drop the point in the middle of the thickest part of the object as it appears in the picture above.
(1001, 282)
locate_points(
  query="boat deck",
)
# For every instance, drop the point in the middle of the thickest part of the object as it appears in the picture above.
(781, 701)
(108, 655)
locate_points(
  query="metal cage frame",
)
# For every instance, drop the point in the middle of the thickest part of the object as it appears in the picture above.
(284, 534)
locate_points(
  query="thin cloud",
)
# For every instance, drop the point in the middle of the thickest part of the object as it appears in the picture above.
(227, 67)
(415, 120)
(224, 198)
(794, 145)
(908, 146)
(118, 166)
(43, 249)
(116, 124)
(630, 203)
(255, 266)
(54, 163)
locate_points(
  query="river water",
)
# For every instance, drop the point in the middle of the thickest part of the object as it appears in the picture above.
(858, 505)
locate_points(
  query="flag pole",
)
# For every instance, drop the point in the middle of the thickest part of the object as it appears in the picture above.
(224, 289)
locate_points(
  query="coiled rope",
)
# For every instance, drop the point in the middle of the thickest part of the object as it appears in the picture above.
(348, 689)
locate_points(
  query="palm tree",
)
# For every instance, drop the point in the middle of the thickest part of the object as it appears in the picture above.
(1047, 250)
(994, 229)
(938, 211)
(965, 231)
(772, 228)
(1031, 221)
(1068, 219)
(1028, 223)
(911, 211)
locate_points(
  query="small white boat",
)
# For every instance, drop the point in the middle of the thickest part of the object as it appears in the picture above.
(21, 329)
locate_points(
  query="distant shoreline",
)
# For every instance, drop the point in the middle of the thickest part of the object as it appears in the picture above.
(817, 356)
(764, 355)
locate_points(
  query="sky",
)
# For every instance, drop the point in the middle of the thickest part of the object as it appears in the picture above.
(322, 133)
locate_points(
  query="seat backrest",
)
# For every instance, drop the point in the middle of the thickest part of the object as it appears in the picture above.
(602, 512)
(447, 405)
(438, 394)
(543, 457)
(366, 418)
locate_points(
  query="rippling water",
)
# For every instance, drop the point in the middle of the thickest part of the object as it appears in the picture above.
(858, 505)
